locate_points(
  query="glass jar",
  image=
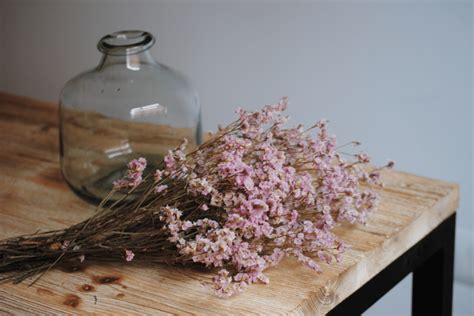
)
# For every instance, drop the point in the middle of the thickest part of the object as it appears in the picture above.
(129, 106)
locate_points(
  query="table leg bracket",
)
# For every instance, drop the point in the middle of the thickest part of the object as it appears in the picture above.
(431, 260)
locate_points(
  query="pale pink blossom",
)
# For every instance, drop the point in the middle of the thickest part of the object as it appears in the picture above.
(129, 255)
(161, 188)
(273, 191)
(134, 175)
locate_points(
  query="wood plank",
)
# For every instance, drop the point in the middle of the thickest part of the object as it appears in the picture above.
(34, 196)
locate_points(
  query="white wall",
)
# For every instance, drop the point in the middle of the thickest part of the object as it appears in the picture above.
(396, 75)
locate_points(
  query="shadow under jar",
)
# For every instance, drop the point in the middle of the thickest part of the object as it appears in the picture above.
(129, 106)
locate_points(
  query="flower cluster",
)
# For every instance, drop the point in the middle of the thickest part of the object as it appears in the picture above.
(257, 192)
(129, 255)
(134, 175)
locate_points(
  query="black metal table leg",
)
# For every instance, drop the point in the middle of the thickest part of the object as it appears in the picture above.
(431, 260)
(433, 280)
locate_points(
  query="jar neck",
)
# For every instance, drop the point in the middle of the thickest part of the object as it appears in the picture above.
(133, 62)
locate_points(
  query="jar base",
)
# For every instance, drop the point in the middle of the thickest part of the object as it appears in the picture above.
(96, 190)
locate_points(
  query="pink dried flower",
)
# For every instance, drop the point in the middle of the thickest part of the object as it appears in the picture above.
(160, 188)
(134, 175)
(363, 158)
(129, 255)
(200, 186)
(274, 192)
(120, 184)
(137, 165)
(170, 161)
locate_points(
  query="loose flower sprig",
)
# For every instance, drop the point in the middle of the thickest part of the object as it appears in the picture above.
(254, 193)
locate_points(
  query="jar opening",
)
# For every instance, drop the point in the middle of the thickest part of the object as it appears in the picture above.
(126, 42)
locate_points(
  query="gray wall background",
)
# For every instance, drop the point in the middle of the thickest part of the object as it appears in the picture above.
(396, 75)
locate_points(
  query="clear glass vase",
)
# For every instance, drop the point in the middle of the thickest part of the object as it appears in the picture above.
(129, 106)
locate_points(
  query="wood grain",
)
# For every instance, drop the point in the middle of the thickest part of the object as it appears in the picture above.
(34, 196)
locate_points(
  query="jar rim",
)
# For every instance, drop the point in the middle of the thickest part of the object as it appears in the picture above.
(126, 42)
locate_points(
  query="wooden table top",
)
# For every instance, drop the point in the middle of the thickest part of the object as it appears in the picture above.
(34, 196)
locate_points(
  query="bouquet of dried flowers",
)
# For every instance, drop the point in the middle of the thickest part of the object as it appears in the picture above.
(251, 195)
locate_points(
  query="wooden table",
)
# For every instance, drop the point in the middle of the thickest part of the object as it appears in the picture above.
(413, 230)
